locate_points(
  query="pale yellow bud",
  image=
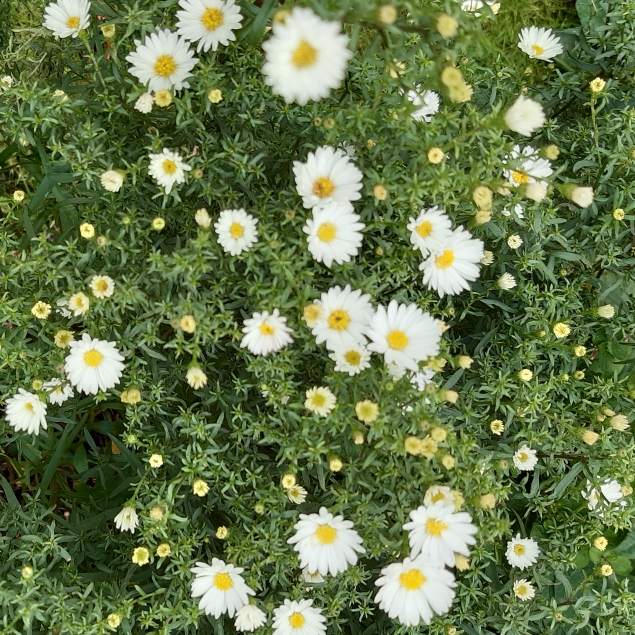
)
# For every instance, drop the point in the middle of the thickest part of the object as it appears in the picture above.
(447, 26)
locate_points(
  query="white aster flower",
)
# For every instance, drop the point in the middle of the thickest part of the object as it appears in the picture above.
(415, 590)
(439, 494)
(426, 102)
(127, 520)
(221, 586)
(326, 543)
(249, 618)
(404, 334)
(25, 412)
(58, 391)
(422, 378)
(163, 61)
(352, 360)
(609, 492)
(430, 230)
(102, 286)
(306, 57)
(531, 169)
(334, 233)
(522, 552)
(66, 18)
(525, 116)
(236, 231)
(449, 269)
(514, 241)
(506, 282)
(78, 303)
(524, 590)
(167, 169)
(93, 365)
(582, 196)
(328, 175)
(298, 618)
(312, 578)
(320, 400)
(62, 303)
(266, 333)
(195, 377)
(518, 210)
(144, 103)
(208, 22)
(111, 180)
(437, 532)
(525, 458)
(296, 494)
(6, 81)
(539, 43)
(344, 320)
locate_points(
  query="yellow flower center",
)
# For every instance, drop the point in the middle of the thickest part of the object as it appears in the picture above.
(29, 406)
(93, 358)
(521, 590)
(326, 534)
(445, 260)
(318, 400)
(165, 65)
(312, 312)
(73, 22)
(538, 50)
(339, 320)
(169, 167)
(519, 177)
(435, 527)
(424, 229)
(297, 620)
(266, 329)
(437, 497)
(412, 580)
(223, 581)
(101, 286)
(522, 456)
(326, 232)
(305, 55)
(212, 19)
(352, 357)
(397, 340)
(323, 187)
(236, 230)
(519, 550)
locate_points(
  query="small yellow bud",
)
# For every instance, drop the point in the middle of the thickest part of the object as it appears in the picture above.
(497, 426)
(156, 513)
(448, 461)
(462, 564)
(600, 543)
(164, 550)
(627, 490)
(606, 570)
(114, 620)
(452, 77)
(447, 26)
(561, 330)
(108, 31)
(130, 396)
(438, 434)
(597, 85)
(367, 411)
(482, 196)
(386, 14)
(525, 374)
(464, 361)
(579, 351)
(358, 437)
(487, 501)
(435, 155)
(86, 230)
(200, 487)
(412, 445)
(222, 532)
(158, 223)
(451, 396)
(163, 98)
(370, 143)
(590, 437)
(380, 192)
(188, 323)
(618, 214)
(335, 464)
(215, 95)
(27, 572)
(141, 556)
(288, 480)
(18, 196)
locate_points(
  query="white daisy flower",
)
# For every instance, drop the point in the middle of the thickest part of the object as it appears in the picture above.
(305, 57)
(352, 360)
(236, 231)
(525, 116)
(111, 180)
(518, 210)
(167, 169)
(144, 103)
(524, 590)
(266, 333)
(404, 334)
(163, 61)
(328, 175)
(66, 18)
(450, 269)
(334, 233)
(58, 391)
(539, 43)
(426, 102)
(221, 586)
(25, 412)
(430, 230)
(102, 286)
(439, 494)
(298, 618)
(62, 309)
(525, 458)
(195, 377)
(421, 379)
(320, 400)
(415, 590)
(249, 618)
(208, 22)
(506, 282)
(296, 494)
(522, 552)
(127, 520)
(437, 532)
(93, 365)
(78, 303)
(609, 492)
(531, 169)
(344, 320)
(326, 543)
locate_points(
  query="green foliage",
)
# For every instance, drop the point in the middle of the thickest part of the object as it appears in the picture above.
(248, 426)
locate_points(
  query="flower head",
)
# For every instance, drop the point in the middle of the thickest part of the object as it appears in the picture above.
(127, 519)
(426, 103)
(25, 412)
(525, 458)
(195, 377)
(522, 552)
(236, 231)
(93, 365)
(167, 168)
(58, 391)
(430, 230)
(111, 180)
(266, 333)
(200, 487)
(320, 400)
(102, 286)
(249, 618)
(66, 18)
(523, 590)
(525, 116)
(352, 360)
(367, 411)
(208, 22)
(298, 618)
(41, 310)
(539, 43)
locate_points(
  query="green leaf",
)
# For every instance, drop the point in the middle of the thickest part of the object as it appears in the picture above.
(581, 558)
(627, 546)
(62, 445)
(566, 481)
(80, 460)
(621, 565)
(595, 555)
